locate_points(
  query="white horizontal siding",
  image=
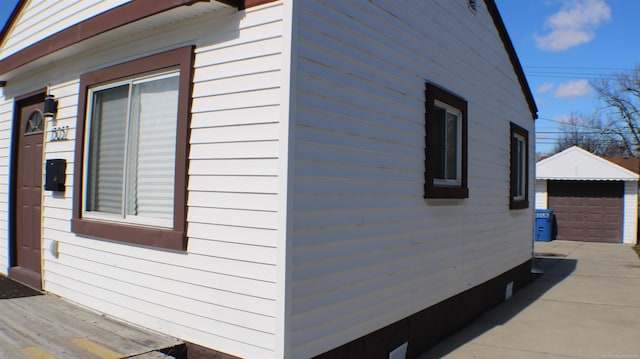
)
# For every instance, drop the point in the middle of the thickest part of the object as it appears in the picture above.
(6, 120)
(368, 250)
(541, 194)
(220, 293)
(630, 225)
(40, 19)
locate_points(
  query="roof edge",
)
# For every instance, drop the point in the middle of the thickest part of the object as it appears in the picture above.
(632, 176)
(600, 179)
(11, 20)
(511, 51)
(100, 23)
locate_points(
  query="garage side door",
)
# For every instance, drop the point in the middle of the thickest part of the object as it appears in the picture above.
(588, 210)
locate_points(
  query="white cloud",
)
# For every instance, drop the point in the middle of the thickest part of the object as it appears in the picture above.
(545, 87)
(573, 89)
(573, 25)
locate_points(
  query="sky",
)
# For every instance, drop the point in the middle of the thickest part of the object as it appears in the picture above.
(563, 45)
(6, 7)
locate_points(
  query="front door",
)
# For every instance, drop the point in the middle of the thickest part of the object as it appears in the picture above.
(26, 240)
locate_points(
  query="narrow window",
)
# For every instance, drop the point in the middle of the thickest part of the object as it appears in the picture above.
(519, 168)
(446, 144)
(447, 125)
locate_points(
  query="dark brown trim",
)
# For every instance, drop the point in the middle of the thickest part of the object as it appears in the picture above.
(25, 276)
(426, 328)
(147, 236)
(245, 4)
(431, 190)
(174, 238)
(513, 57)
(513, 175)
(197, 352)
(101, 23)
(234, 3)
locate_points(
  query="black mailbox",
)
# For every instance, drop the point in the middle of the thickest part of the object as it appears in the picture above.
(55, 175)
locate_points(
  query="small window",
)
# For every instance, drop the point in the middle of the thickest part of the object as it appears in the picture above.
(131, 151)
(446, 145)
(447, 124)
(519, 168)
(35, 123)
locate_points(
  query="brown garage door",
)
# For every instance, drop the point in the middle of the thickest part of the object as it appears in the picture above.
(588, 210)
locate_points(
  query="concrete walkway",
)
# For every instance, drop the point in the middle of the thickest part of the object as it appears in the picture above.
(585, 305)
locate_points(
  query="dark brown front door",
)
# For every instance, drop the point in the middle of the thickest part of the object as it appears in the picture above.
(26, 239)
(588, 210)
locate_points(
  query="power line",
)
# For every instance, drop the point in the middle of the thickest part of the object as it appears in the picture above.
(581, 68)
(573, 77)
(576, 72)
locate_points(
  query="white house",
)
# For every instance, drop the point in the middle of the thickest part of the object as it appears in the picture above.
(593, 199)
(262, 178)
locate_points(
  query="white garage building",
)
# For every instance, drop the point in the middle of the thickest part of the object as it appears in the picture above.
(593, 198)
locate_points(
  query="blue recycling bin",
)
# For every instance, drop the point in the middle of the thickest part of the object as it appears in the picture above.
(544, 225)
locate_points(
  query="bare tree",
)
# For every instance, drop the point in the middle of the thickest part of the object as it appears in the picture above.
(620, 96)
(590, 134)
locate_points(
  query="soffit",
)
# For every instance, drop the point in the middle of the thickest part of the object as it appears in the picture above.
(120, 35)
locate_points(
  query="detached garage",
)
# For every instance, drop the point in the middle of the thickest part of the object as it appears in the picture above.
(594, 199)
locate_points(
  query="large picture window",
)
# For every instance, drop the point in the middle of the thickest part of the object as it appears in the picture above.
(519, 183)
(131, 151)
(446, 144)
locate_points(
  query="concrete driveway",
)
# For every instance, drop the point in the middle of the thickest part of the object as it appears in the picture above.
(585, 305)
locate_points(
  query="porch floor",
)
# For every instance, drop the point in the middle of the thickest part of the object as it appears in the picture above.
(43, 326)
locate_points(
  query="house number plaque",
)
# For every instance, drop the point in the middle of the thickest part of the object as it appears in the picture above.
(59, 133)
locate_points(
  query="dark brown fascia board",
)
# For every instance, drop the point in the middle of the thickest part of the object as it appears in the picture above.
(245, 4)
(101, 23)
(515, 62)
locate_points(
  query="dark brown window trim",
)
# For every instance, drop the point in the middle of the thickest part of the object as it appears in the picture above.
(174, 238)
(513, 176)
(101, 23)
(431, 190)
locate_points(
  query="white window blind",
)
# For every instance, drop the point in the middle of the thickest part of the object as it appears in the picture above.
(131, 160)
(106, 161)
(154, 111)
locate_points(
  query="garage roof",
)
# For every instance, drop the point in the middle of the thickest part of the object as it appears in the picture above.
(577, 164)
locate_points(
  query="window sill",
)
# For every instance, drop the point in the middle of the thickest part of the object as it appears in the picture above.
(136, 234)
(446, 192)
(521, 204)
